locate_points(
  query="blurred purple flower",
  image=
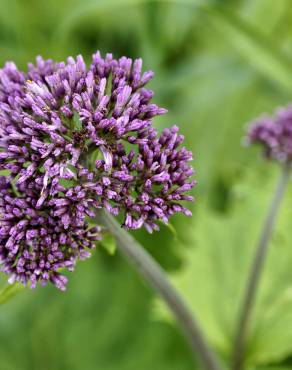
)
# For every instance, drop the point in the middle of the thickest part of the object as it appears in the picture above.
(274, 134)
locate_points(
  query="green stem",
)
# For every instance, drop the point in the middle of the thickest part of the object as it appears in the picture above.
(256, 270)
(151, 271)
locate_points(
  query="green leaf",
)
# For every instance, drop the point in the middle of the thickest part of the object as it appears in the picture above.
(109, 243)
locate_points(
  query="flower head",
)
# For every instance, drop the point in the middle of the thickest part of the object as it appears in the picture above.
(92, 128)
(74, 140)
(274, 134)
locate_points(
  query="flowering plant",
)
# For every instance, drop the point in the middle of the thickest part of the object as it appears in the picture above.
(77, 147)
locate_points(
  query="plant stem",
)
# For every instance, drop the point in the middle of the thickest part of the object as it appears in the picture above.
(151, 271)
(256, 270)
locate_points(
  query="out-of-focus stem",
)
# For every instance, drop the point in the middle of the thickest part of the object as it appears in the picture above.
(256, 270)
(151, 271)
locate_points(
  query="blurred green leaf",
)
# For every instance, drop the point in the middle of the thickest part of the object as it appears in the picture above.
(265, 12)
(258, 50)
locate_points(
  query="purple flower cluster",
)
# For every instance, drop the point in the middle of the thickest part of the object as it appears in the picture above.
(76, 139)
(274, 134)
(34, 245)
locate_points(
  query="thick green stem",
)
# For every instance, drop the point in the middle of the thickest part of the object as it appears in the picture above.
(151, 271)
(256, 270)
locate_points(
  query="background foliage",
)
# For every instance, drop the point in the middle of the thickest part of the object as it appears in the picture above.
(218, 64)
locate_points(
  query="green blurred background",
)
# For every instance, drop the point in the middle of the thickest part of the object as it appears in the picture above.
(218, 64)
